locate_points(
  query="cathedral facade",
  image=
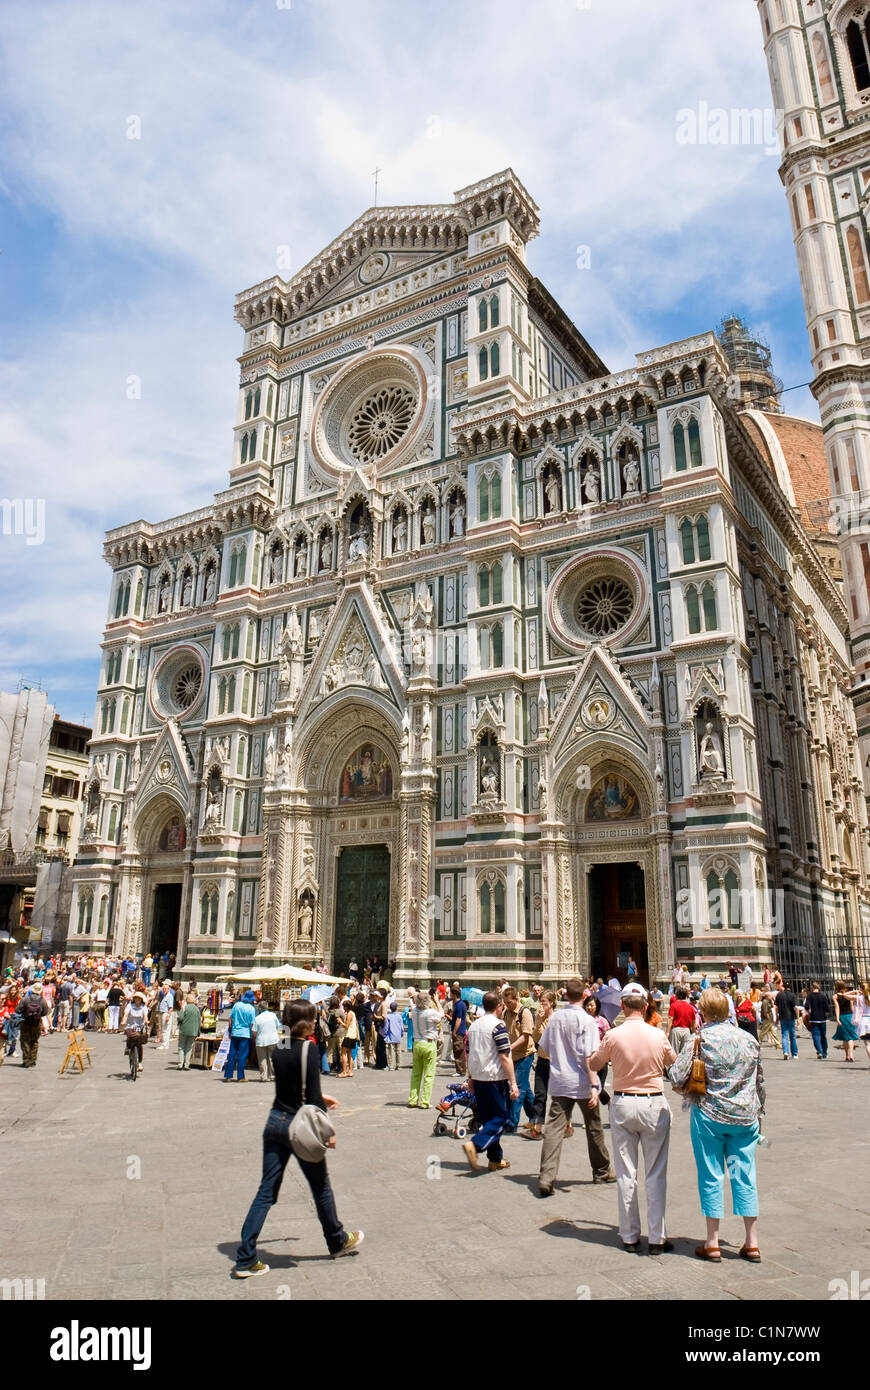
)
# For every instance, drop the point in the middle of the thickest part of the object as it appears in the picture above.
(486, 659)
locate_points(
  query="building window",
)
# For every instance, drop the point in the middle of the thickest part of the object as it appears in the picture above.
(489, 584)
(482, 316)
(693, 609)
(695, 537)
(708, 599)
(695, 444)
(238, 557)
(489, 497)
(483, 364)
(492, 901)
(856, 41)
(494, 360)
(208, 912)
(857, 260)
(680, 447)
(86, 911)
(723, 900)
(42, 826)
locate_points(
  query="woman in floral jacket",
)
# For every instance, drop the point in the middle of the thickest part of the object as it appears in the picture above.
(724, 1122)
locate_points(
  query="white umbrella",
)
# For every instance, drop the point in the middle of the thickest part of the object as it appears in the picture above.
(292, 973)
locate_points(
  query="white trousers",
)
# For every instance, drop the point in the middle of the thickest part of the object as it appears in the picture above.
(166, 1022)
(114, 1016)
(645, 1123)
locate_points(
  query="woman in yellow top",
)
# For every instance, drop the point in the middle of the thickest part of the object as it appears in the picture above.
(535, 1127)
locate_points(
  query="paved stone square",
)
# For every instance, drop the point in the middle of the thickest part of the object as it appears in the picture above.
(114, 1191)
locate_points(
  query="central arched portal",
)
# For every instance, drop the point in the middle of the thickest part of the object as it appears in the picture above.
(609, 865)
(352, 840)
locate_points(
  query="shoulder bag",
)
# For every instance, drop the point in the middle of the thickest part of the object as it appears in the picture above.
(310, 1129)
(695, 1083)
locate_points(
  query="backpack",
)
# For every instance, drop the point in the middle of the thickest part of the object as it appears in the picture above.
(31, 1009)
(333, 1021)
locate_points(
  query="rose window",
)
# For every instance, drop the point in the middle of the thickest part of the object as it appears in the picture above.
(186, 686)
(604, 606)
(380, 422)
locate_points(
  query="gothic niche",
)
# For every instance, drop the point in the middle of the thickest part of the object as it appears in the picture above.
(163, 595)
(300, 558)
(187, 588)
(305, 916)
(92, 813)
(628, 461)
(456, 514)
(359, 533)
(427, 523)
(367, 776)
(710, 744)
(210, 584)
(400, 531)
(214, 799)
(488, 768)
(551, 488)
(324, 550)
(590, 479)
(173, 836)
(276, 563)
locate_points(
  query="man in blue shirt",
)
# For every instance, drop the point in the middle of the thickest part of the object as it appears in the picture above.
(165, 1014)
(242, 1016)
(459, 1030)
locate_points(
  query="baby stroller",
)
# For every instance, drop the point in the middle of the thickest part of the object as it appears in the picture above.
(457, 1106)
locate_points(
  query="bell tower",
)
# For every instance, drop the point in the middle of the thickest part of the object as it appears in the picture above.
(818, 55)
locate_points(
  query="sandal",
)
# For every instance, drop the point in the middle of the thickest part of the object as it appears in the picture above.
(713, 1254)
(751, 1253)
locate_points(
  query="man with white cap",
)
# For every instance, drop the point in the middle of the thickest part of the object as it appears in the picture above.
(640, 1117)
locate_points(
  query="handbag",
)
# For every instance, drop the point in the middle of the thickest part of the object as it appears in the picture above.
(310, 1129)
(695, 1083)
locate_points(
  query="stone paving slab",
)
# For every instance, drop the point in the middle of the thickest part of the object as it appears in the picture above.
(121, 1191)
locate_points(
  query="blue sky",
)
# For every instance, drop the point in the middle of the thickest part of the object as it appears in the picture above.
(260, 126)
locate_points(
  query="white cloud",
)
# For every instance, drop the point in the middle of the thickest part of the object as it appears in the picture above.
(260, 127)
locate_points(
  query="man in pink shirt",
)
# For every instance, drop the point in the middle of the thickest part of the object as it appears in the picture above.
(640, 1117)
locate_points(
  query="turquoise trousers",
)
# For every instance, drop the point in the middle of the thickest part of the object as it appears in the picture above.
(721, 1149)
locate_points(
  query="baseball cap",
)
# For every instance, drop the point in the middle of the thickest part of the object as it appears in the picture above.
(634, 991)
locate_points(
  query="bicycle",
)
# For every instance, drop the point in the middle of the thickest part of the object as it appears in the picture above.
(133, 1055)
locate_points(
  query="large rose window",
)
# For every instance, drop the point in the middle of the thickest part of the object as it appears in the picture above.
(604, 605)
(380, 422)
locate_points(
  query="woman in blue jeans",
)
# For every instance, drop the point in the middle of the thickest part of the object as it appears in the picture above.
(299, 1019)
(724, 1122)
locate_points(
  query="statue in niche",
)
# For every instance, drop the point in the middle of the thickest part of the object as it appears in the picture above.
(210, 584)
(276, 566)
(553, 491)
(418, 649)
(630, 475)
(358, 549)
(457, 519)
(214, 800)
(305, 920)
(711, 762)
(136, 764)
(163, 595)
(186, 589)
(592, 485)
(93, 811)
(400, 533)
(427, 526)
(489, 779)
(325, 551)
(270, 756)
(300, 568)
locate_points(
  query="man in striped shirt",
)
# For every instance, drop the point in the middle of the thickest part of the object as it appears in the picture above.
(492, 1080)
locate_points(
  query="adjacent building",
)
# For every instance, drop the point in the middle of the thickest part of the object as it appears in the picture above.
(485, 659)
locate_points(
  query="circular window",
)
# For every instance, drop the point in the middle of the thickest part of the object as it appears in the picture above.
(186, 686)
(599, 596)
(178, 683)
(380, 422)
(373, 412)
(604, 606)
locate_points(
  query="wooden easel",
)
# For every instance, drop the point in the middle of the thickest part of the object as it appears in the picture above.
(76, 1052)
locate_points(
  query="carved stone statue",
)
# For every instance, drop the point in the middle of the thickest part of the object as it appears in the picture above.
(186, 588)
(326, 551)
(276, 566)
(305, 920)
(284, 669)
(631, 475)
(427, 525)
(270, 756)
(553, 491)
(711, 762)
(359, 546)
(136, 763)
(457, 518)
(300, 568)
(163, 595)
(400, 533)
(592, 485)
(489, 780)
(210, 584)
(418, 650)
(214, 800)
